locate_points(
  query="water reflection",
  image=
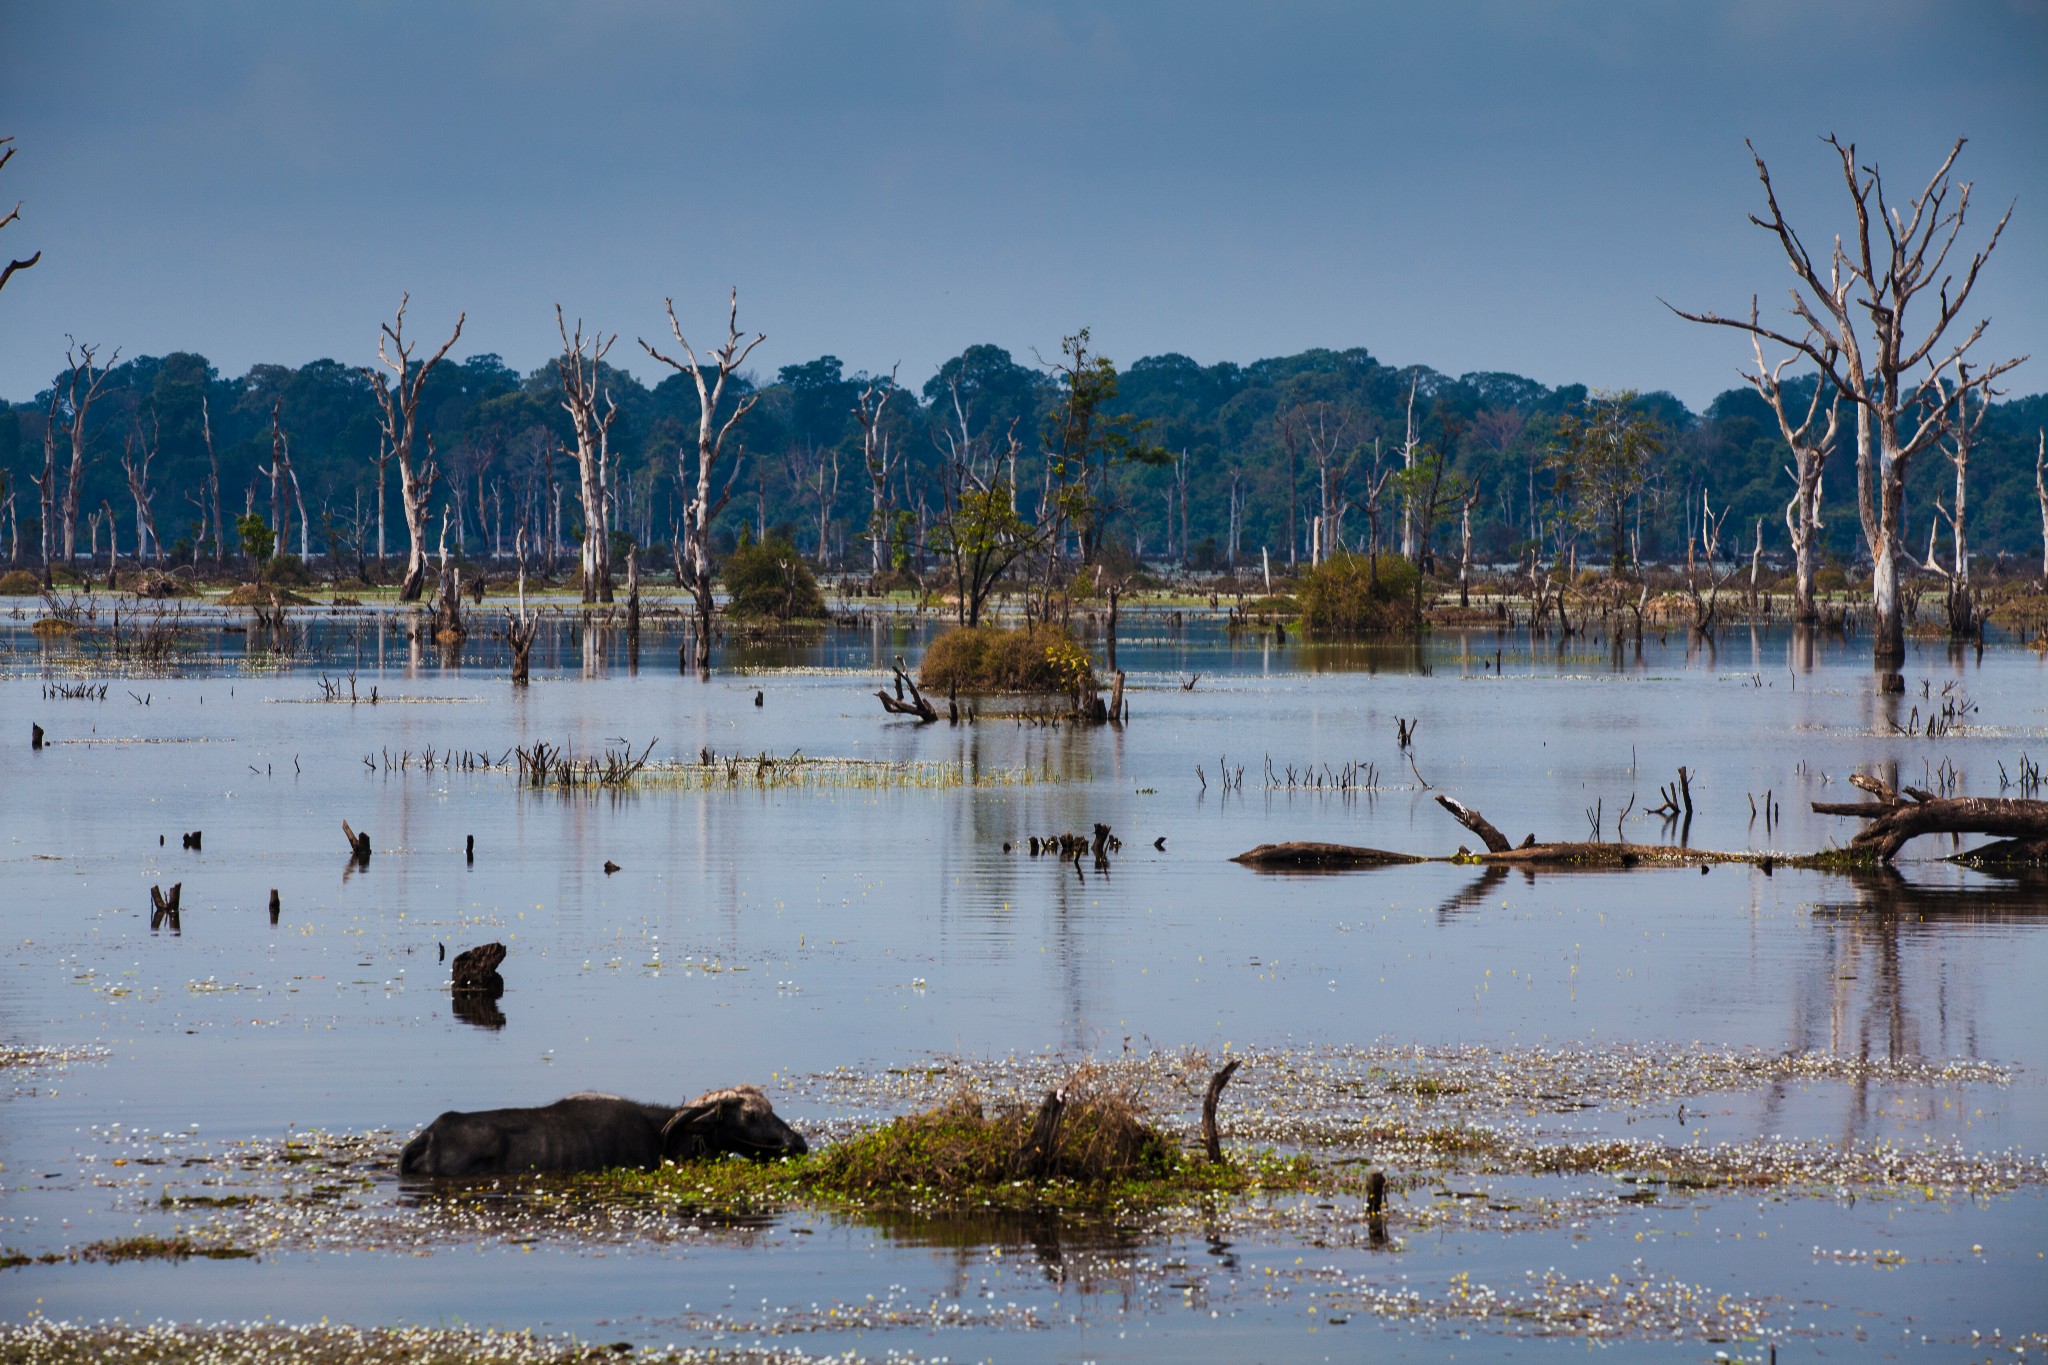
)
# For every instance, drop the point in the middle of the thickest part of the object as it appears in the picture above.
(477, 1009)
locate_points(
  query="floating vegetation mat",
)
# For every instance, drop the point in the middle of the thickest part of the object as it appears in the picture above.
(17, 1058)
(42, 1342)
(1309, 1096)
(547, 768)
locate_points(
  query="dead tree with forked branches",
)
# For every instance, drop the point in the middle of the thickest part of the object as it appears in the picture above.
(1810, 450)
(881, 455)
(580, 366)
(82, 385)
(1964, 621)
(398, 404)
(7, 271)
(138, 450)
(1853, 309)
(704, 504)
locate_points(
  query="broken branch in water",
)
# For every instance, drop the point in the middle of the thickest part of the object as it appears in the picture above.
(916, 707)
(1904, 813)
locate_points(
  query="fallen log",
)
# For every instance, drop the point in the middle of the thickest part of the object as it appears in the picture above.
(1905, 813)
(1304, 857)
(916, 706)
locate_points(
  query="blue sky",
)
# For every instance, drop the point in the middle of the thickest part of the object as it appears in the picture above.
(1471, 186)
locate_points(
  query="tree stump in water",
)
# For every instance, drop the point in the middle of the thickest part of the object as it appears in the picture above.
(1212, 1140)
(358, 846)
(1042, 1146)
(476, 971)
(164, 909)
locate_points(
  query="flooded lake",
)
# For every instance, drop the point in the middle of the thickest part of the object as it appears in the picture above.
(1858, 1061)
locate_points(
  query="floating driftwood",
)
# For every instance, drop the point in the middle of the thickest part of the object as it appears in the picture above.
(1896, 816)
(1903, 813)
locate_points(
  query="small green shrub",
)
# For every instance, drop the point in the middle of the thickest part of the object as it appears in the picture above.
(1039, 658)
(287, 568)
(1349, 594)
(958, 1146)
(771, 581)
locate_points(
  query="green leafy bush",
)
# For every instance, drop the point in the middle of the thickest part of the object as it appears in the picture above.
(1039, 658)
(771, 581)
(1349, 594)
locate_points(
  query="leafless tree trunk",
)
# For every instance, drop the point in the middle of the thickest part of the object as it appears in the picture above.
(2041, 493)
(1465, 545)
(881, 456)
(139, 449)
(1234, 506)
(705, 505)
(579, 367)
(398, 405)
(1810, 451)
(284, 485)
(1962, 431)
(46, 489)
(220, 544)
(82, 388)
(7, 271)
(1410, 452)
(1878, 275)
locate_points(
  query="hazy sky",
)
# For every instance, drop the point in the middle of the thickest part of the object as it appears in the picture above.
(1478, 186)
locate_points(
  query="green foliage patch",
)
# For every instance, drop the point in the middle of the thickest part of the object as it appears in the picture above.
(770, 581)
(1350, 595)
(1037, 658)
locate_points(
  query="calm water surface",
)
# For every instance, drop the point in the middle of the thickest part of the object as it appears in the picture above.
(774, 935)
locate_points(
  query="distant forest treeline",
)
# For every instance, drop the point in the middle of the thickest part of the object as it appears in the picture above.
(1237, 477)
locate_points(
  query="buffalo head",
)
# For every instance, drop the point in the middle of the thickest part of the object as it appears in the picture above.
(724, 1122)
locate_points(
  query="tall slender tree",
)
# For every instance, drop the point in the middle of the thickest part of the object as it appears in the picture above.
(82, 388)
(138, 450)
(705, 500)
(398, 404)
(583, 390)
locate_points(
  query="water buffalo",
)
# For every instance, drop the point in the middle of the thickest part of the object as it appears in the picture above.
(594, 1132)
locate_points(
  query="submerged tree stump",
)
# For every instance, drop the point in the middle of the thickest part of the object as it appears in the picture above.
(475, 971)
(358, 846)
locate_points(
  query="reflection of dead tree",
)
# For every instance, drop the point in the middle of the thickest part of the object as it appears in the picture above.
(399, 406)
(1903, 813)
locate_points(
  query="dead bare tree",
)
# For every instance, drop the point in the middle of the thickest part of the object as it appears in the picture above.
(82, 387)
(705, 505)
(138, 450)
(7, 271)
(580, 366)
(284, 485)
(881, 455)
(1810, 450)
(1327, 431)
(220, 543)
(1878, 274)
(814, 472)
(2041, 491)
(398, 407)
(1411, 451)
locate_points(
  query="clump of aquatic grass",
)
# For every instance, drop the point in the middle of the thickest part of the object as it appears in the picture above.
(553, 767)
(1100, 1138)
